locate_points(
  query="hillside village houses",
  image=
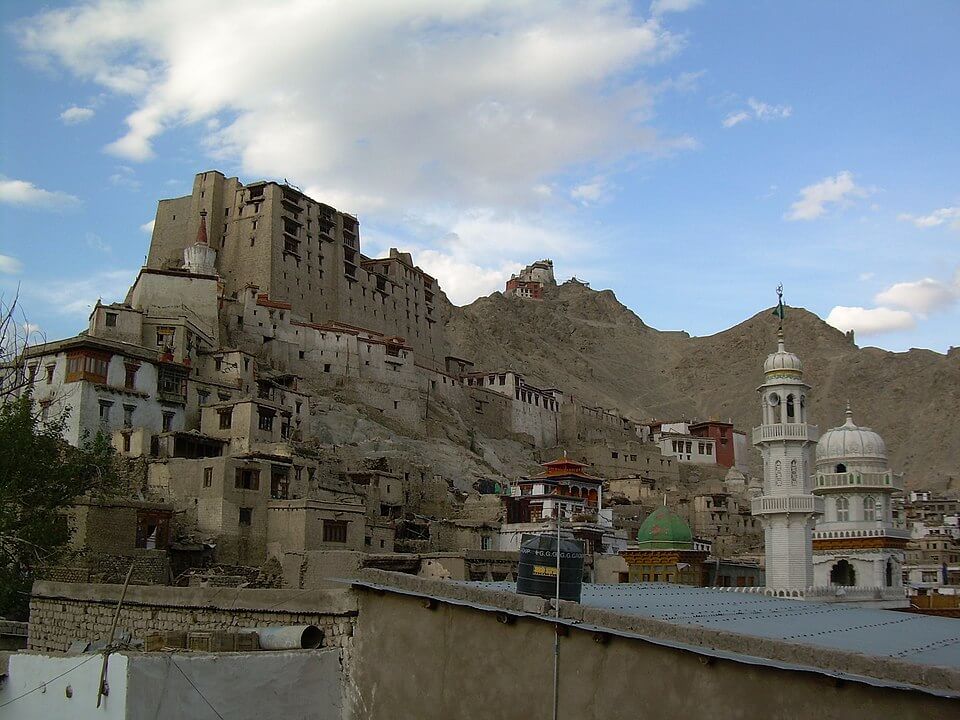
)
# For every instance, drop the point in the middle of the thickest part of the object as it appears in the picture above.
(256, 299)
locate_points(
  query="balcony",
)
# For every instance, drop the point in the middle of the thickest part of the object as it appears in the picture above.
(855, 480)
(786, 431)
(768, 504)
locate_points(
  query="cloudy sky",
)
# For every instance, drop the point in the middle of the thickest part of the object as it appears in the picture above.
(688, 155)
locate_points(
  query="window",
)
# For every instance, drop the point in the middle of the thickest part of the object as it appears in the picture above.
(486, 543)
(126, 442)
(869, 508)
(843, 509)
(172, 382)
(167, 421)
(50, 369)
(44, 410)
(246, 517)
(335, 531)
(226, 418)
(614, 455)
(111, 319)
(165, 334)
(87, 365)
(128, 415)
(247, 479)
(105, 410)
(130, 375)
(208, 477)
(279, 483)
(265, 419)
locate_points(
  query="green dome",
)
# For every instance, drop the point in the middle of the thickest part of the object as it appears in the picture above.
(664, 529)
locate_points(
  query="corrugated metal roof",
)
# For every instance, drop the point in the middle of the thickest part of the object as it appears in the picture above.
(912, 637)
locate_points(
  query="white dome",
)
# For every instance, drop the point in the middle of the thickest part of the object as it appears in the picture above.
(850, 442)
(782, 360)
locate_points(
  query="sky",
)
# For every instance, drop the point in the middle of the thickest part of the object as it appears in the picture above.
(688, 155)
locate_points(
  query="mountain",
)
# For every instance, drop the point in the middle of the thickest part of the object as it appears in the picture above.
(587, 343)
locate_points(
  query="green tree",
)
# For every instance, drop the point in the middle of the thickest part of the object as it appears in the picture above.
(41, 475)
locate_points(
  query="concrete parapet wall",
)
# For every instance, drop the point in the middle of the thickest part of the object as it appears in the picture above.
(699, 641)
(61, 613)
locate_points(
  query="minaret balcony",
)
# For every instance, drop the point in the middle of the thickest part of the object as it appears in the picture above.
(785, 431)
(776, 504)
(824, 482)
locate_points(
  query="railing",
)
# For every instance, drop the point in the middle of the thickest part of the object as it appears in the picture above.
(786, 431)
(886, 480)
(786, 504)
(881, 530)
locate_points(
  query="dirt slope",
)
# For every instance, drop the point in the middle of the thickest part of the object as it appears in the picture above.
(587, 343)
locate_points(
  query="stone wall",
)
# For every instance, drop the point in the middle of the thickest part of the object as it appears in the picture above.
(61, 613)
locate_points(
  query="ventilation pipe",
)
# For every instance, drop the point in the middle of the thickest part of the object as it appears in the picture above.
(291, 637)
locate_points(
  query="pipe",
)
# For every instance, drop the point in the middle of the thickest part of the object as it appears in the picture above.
(290, 637)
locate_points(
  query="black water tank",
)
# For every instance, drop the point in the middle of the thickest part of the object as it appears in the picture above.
(537, 573)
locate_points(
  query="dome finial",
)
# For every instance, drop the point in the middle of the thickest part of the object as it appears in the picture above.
(849, 412)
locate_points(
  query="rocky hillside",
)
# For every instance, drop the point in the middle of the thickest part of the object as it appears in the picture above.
(588, 344)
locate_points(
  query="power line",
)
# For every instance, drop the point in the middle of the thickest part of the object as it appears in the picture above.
(47, 682)
(202, 696)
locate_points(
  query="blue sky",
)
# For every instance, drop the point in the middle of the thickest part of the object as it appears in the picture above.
(688, 155)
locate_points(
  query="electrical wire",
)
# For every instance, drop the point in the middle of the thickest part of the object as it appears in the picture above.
(202, 696)
(47, 682)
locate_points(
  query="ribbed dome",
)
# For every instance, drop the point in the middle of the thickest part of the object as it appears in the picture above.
(850, 442)
(782, 360)
(663, 528)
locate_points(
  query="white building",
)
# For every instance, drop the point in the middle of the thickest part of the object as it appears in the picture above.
(686, 447)
(787, 508)
(855, 543)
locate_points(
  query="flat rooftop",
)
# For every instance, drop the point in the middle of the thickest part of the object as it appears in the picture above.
(921, 639)
(878, 647)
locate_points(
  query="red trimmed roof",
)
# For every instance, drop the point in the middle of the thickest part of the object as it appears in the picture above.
(565, 467)
(264, 300)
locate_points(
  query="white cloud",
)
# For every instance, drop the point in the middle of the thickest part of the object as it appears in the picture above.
(78, 296)
(735, 118)
(865, 276)
(26, 194)
(96, 242)
(10, 265)
(462, 104)
(765, 111)
(591, 192)
(75, 115)
(831, 191)
(125, 177)
(660, 7)
(937, 217)
(758, 110)
(921, 297)
(147, 227)
(869, 321)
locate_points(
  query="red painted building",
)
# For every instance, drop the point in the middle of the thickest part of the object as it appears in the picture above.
(525, 288)
(563, 485)
(722, 435)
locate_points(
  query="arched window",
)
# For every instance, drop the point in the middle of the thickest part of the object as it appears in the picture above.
(842, 573)
(841, 468)
(790, 408)
(869, 508)
(889, 577)
(843, 509)
(793, 472)
(778, 472)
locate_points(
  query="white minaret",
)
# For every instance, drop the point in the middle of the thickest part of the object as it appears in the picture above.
(787, 508)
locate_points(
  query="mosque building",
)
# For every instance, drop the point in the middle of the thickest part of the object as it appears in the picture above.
(855, 544)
